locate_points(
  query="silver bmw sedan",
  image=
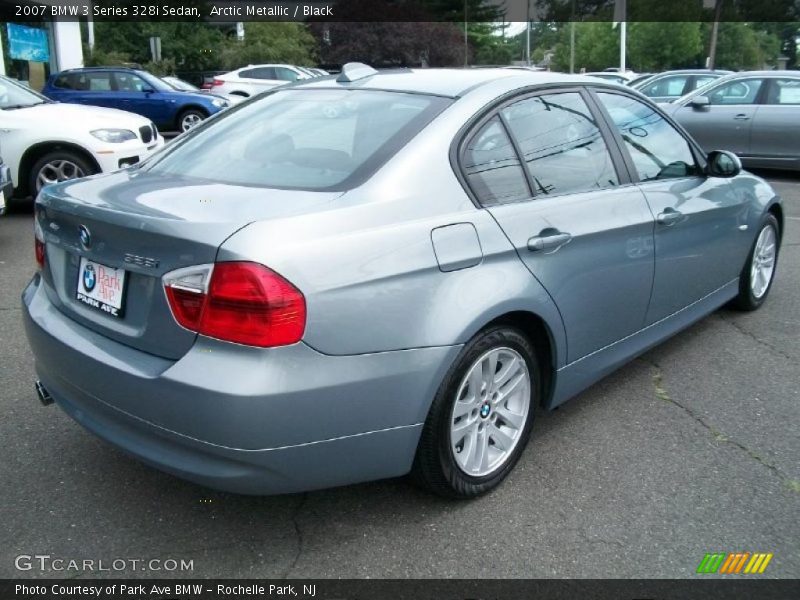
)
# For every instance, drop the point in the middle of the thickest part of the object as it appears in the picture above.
(353, 279)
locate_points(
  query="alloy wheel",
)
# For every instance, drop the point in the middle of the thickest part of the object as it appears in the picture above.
(490, 411)
(763, 264)
(190, 120)
(57, 170)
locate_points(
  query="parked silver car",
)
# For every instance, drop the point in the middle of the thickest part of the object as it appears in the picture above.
(352, 279)
(755, 114)
(671, 85)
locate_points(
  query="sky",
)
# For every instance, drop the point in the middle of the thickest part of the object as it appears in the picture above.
(515, 27)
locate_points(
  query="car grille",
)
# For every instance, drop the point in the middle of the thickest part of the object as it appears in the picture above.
(148, 133)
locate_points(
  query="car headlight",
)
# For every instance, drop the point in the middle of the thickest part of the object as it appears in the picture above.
(114, 136)
(219, 102)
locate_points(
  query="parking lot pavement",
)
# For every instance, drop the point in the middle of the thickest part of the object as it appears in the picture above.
(692, 448)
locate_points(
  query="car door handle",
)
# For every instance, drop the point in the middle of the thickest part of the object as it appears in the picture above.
(741, 117)
(670, 216)
(548, 241)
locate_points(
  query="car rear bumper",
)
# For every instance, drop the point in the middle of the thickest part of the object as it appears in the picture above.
(126, 154)
(235, 418)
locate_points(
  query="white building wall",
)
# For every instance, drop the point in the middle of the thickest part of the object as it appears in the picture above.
(67, 44)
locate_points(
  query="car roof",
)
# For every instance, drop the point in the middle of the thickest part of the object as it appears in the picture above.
(764, 73)
(451, 83)
(691, 72)
(110, 67)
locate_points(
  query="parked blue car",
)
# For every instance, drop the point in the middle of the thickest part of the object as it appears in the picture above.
(135, 91)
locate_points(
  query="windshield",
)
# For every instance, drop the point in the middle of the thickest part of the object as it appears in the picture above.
(180, 84)
(16, 95)
(158, 84)
(703, 89)
(312, 139)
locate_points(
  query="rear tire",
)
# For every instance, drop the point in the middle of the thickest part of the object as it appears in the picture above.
(56, 166)
(481, 418)
(758, 273)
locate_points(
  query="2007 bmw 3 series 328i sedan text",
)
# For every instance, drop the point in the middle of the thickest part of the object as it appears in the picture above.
(356, 278)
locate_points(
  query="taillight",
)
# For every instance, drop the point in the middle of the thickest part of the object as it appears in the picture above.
(216, 82)
(240, 302)
(38, 243)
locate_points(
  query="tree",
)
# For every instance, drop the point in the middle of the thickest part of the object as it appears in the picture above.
(390, 44)
(192, 46)
(596, 47)
(268, 42)
(654, 46)
(745, 46)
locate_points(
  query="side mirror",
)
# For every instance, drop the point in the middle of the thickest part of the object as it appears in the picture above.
(722, 163)
(700, 102)
(148, 90)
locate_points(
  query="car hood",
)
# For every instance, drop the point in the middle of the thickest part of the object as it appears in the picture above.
(86, 117)
(199, 96)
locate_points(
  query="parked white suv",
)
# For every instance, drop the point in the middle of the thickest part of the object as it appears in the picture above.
(253, 79)
(44, 141)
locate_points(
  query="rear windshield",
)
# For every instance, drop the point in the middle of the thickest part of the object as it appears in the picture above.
(312, 139)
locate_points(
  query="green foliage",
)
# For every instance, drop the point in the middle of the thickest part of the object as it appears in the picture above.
(268, 42)
(386, 44)
(197, 46)
(596, 47)
(656, 46)
(744, 46)
(487, 44)
(101, 58)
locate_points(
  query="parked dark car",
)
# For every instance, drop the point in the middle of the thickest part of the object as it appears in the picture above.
(136, 91)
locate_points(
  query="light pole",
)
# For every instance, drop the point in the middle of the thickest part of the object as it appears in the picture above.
(466, 41)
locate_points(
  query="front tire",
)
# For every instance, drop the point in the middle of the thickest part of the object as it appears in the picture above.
(481, 417)
(190, 118)
(758, 273)
(56, 166)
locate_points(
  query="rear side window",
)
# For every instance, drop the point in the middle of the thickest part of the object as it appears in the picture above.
(561, 144)
(492, 166)
(96, 82)
(657, 149)
(285, 74)
(666, 86)
(784, 91)
(301, 139)
(702, 80)
(259, 73)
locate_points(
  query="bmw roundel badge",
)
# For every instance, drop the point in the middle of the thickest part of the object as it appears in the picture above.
(85, 236)
(89, 278)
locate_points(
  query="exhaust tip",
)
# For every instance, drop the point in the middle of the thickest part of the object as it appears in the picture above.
(44, 396)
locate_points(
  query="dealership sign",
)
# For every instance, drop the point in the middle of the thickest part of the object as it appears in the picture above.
(28, 43)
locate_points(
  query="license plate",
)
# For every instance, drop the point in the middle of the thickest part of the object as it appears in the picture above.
(101, 287)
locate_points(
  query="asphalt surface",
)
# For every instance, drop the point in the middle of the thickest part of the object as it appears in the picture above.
(693, 448)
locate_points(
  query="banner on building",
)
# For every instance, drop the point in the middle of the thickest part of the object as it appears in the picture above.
(28, 43)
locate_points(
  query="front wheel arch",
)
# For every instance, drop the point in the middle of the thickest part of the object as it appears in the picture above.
(37, 151)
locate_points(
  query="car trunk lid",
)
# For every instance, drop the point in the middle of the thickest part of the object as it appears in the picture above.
(146, 225)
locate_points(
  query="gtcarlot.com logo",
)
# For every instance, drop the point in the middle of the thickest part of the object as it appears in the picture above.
(46, 562)
(728, 563)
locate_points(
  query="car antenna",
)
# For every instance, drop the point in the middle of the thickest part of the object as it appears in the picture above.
(354, 71)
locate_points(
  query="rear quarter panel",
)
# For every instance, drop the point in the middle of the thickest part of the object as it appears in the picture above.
(368, 268)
